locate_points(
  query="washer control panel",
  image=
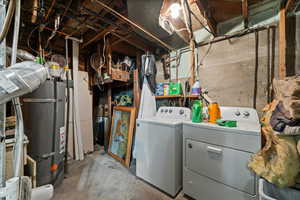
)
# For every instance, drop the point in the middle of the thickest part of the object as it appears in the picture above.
(180, 113)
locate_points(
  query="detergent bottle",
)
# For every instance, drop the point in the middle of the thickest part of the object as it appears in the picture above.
(214, 112)
(197, 111)
(196, 90)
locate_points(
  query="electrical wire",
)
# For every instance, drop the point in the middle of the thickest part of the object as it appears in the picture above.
(205, 55)
(28, 40)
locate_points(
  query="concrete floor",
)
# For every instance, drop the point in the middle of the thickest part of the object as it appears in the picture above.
(100, 177)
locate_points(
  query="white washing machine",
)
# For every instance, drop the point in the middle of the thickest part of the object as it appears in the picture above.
(159, 148)
(216, 158)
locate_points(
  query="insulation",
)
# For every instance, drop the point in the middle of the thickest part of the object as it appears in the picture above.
(279, 161)
(20, 79)
(288, 91)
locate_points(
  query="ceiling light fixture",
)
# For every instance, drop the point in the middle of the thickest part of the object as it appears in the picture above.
(175, 10)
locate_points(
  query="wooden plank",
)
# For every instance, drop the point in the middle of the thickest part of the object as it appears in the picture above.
(206, 12)
(169, 97)
(282, 43)
(71, 132)
(109, 105)
(31, 164)
(130, 136)
(109, 57)
(78, 137)
(85, 111)
(136, 89)
(193, 64)
(127, 20)
(135, 42)
(120, 40)
(99, 35)
(290, 5)
(177, 96)
(245, 12)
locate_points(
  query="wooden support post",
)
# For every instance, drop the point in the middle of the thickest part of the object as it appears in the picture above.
(109, 57)
(109, 105)
(136, 84)
(177, 66)
(136, 90)
(245, 13)
(192, 60)
(282, 43)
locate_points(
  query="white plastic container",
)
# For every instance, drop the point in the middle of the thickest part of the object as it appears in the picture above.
(268, 191)
(196, 90)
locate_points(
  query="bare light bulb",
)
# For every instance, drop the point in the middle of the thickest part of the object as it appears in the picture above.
(175, 10)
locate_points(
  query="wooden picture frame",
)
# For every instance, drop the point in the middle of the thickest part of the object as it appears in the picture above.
(121, 134)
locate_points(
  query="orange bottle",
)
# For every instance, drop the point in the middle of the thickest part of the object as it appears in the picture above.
(214, 112)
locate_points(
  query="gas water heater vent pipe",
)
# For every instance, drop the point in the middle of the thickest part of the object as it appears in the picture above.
(19, 133)
(8, 18)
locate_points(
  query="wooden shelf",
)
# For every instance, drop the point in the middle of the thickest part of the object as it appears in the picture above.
(177, 96)
(169, 97)
(192, 96)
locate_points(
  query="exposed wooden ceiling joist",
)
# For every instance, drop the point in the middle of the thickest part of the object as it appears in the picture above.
(206, 12)
(131, 23)
(124, 49)
(134, 41)
(99, 35)
(290, 5)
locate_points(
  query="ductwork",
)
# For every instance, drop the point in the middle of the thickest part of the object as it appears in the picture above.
(22, 54)
(20, 79)
(150, 11)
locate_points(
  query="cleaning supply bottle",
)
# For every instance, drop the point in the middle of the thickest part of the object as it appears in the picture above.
(197, 110)
(166, 89)
(196, 90)
(214, 112)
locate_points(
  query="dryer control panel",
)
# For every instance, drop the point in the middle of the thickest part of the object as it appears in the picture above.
(178, 113)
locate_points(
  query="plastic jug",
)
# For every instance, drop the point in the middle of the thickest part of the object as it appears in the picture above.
(196, 90)
(197, 111)
(214, 112)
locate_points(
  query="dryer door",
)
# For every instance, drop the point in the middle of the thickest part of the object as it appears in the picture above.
(224, 165)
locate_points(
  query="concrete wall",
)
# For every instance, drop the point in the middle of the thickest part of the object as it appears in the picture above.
(228, 69)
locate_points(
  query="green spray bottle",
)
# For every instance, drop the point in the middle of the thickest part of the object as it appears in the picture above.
(197, 111)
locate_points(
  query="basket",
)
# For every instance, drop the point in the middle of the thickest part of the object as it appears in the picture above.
(268, 191)
(119, 75)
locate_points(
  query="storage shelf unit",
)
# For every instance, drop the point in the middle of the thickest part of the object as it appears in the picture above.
(177, 96)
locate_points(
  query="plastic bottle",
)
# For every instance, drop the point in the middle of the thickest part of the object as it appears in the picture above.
(166, 89)
(196, 90)
(214, 112)
(197, 111)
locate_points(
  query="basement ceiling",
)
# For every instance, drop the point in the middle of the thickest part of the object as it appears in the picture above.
(91, 22)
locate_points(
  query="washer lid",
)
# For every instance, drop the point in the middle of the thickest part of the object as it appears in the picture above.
(243, 127)
(159, 121)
